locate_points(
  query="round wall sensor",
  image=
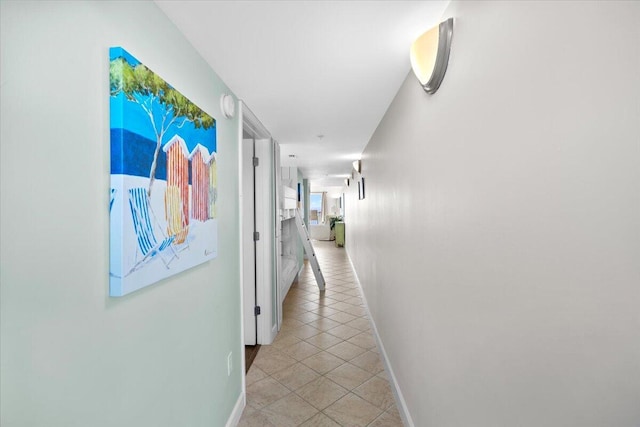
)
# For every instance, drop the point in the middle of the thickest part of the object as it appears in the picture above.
(227, 105)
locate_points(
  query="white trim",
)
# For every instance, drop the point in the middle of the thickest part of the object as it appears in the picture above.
(277, 234)
(234, 417)
(265, 251)
(395, 388)
(251, 122)
(240, 251)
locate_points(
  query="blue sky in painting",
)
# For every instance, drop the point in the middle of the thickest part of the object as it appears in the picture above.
(128, 115)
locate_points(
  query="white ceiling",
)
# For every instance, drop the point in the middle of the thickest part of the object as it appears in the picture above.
(310, 68)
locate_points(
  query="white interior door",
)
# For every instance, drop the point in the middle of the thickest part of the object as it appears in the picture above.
(265, 246)
(248, 244)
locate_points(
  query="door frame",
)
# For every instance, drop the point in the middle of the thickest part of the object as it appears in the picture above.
(266, 271)
(248, 257)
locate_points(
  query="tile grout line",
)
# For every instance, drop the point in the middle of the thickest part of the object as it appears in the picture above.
(344, 351)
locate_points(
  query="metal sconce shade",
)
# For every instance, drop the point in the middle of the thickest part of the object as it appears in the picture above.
(430, 55)
(357, 166)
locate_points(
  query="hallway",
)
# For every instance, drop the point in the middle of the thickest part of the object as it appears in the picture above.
(323, 369)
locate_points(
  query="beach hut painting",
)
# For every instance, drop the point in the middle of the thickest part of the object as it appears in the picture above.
(163, 178)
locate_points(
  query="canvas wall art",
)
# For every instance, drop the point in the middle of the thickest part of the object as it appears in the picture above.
(163, 178)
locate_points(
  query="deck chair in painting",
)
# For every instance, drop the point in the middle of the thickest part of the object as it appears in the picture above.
(176, 222)
(113, 198)
(149, 246)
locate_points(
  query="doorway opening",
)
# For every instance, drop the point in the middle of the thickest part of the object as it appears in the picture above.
(258, 242)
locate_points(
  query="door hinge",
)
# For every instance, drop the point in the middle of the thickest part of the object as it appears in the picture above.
(256, 236)
(256, 162)
(256, 310)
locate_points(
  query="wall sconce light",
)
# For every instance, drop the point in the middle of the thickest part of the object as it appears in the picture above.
(430, 55)
(357, 166)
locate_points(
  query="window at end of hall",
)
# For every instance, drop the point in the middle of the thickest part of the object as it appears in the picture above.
(315, 208)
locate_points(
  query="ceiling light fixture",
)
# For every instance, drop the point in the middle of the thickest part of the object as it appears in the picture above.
(430, 55)
(357, 166)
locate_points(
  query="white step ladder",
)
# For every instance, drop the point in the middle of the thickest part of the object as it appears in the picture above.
(308, 248)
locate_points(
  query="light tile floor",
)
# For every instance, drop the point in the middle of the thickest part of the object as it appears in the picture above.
(323, 369)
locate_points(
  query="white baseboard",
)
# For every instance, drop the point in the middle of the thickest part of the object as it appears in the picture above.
(395, 388)
(234, 418)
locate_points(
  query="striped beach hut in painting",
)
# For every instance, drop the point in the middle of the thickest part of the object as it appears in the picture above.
(177, 193)
(200, 181)
(213, 185)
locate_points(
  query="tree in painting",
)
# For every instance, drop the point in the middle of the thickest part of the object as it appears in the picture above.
(145, 88)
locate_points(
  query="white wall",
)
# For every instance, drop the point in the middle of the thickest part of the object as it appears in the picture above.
(72, 356)
(499, 242)
(333, 206)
